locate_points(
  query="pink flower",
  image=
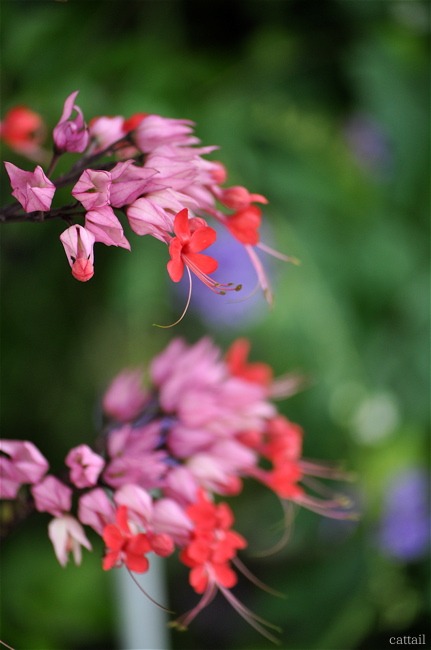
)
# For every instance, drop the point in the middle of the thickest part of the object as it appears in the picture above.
(95, 509)
(105, 227)
(154, 214)
(51, 495)
(180, 485)
(67, 536)
(129, 182)
(85, 466)
(219, 467)
(138, 501)
(190, 375)
(170, 518)
(125, 397)
(20, 462)
(33, 190)
(71, 134)
(78, 244)
(181, 367)
(105, 131)
(154, 130)
(134, 456)
(92, 189)
(172, 171)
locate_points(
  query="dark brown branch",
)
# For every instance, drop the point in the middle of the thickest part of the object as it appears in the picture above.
(13, 213)
(66, 212)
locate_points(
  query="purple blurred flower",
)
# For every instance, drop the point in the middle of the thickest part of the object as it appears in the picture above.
(246, 306)
(404, 531)
(368, 142)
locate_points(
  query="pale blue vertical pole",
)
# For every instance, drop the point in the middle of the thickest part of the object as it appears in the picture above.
(142, 625)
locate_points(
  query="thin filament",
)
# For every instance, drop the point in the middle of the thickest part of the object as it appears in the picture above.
(140, 587)
(189, 297)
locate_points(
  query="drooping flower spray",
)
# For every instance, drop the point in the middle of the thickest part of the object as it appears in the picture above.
(148, 172)
(170, 450)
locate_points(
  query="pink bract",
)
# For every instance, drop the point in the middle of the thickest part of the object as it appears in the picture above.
(67, 536)
(33, 190)
(20, 462)
(125, 397)
(71, 134)
(51, 495)
(85, 466)
(78, 245)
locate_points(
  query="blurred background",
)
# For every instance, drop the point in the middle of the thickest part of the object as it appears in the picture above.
(323, 108)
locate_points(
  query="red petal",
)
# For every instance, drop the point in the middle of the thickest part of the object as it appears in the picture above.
(225, 576)
(224, 516)
(122, 520)
(175, 269)
(235, 540)
(237, 354)
(199, 551)
(110, 560)
(201, 239)
(199, 579)
(133, 121)
(204, 263)
(113, 537)
(138, 563)
(181, 225)
(244, 225)
(162, 544)
(138, 544)
(82, 270)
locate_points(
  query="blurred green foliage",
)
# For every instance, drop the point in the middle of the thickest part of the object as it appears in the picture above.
(324, 108)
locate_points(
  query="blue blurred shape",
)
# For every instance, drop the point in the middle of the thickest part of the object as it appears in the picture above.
(404, 531)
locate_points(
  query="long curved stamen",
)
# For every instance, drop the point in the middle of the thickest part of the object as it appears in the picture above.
(189, 297)
(280, 256)
(334, 509)
(325, 470)
(252, 293)
(289, 516)
(288, 385)
(248, 574)
(217, 287)
(252, 619)
(185, 619)
(261, 275)
(169, 611)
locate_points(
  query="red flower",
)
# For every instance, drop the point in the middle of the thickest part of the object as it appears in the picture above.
(244, 224)
(125, 547)
(22, 129)
(212, 545)
(236, 359)
(133, 122)
(192, 236)
(284, 478)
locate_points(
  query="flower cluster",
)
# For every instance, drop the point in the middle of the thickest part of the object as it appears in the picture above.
(170, 450)
(149, 169)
